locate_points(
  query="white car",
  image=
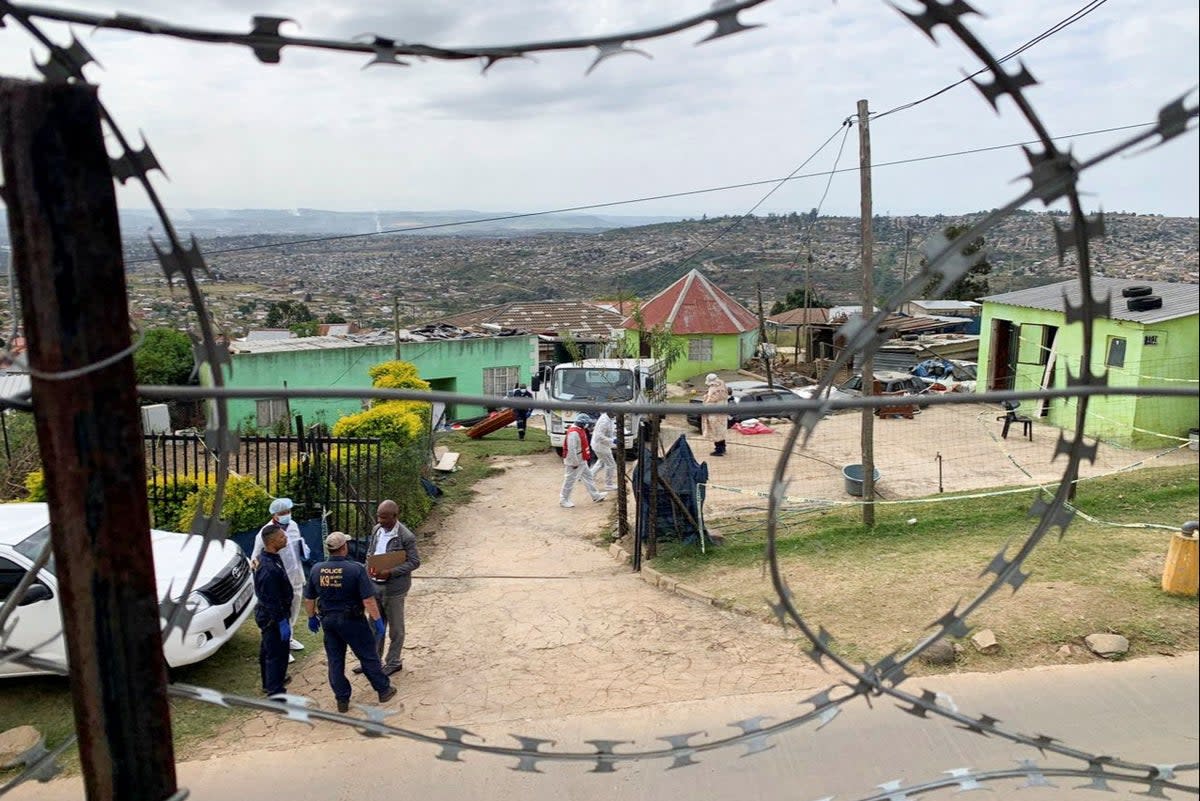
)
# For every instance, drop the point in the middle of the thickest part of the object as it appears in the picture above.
(222, 601)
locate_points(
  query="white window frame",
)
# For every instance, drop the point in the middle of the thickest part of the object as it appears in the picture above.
(700, 349)
(269, 411)
(507, 376)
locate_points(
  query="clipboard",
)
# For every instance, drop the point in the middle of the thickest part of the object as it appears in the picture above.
(386, 561)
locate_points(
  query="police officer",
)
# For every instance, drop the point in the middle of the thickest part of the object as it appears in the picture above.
(273, 614)
(340, 589)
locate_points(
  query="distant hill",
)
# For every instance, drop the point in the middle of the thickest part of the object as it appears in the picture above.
(209, 223)
(573, 256)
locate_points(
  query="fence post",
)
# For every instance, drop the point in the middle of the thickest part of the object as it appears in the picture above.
(66, 245)
(623, 487)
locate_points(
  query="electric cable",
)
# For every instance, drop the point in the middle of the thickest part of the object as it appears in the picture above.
(1079, 14)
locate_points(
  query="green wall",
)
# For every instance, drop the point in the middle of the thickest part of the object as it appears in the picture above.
(450, 364)
(729, 352)
(1173, 360)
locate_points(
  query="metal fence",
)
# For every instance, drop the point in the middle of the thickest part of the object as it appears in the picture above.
(337, 477)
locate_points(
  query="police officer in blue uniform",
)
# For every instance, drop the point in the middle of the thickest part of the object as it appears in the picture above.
(273, 614)
(336, 596)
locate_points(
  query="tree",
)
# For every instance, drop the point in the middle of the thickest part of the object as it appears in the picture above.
(798, 299)
(165, 357)
(308, 328)
(286, 313)
(334, 317)
(974, 284)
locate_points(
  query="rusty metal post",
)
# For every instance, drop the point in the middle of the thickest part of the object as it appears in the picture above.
(66, 246)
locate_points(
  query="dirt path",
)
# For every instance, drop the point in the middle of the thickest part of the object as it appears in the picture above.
(581, 634)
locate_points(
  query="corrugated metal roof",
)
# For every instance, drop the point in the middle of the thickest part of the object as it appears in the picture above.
(802, 316)
(299, 343)
(945, 305)
(694, 305)
(543, 317)
(14, 384)
(1179, 300)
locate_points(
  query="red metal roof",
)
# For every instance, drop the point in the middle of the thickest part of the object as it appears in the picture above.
(694, 305)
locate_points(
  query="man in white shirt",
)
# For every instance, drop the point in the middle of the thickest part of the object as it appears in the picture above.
(392, 584)
(293, 556)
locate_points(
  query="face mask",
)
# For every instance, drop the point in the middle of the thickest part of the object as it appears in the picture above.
(283, 520)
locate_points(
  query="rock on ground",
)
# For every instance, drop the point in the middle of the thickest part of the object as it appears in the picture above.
(1106, 645)
(985, 642)
(15, 743)
(939, 653)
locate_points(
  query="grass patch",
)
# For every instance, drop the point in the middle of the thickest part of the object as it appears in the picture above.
(474, 456)
(877, 589)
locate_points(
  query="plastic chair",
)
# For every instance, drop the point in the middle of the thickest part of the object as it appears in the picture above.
(1010, 416)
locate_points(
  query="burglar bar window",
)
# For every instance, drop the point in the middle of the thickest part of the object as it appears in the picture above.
(499, 380)
(271, 410)
(700, 350)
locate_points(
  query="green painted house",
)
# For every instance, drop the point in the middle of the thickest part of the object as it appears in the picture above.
(472, 365)
(721, 333)
(1026, 343)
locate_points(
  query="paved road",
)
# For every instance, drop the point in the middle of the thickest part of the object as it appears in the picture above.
(1144, 710)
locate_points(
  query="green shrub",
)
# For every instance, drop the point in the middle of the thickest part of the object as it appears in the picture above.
(245, 505)
(35, 486)
(402, 468)
(400, 422)
(397, 374)
(168, 496)
(403, 426)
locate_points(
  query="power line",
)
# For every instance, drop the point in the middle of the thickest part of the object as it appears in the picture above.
(1087, 8)
(688, 260)
(647, 198)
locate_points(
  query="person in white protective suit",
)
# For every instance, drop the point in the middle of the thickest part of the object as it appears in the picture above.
(604, 437)
(576, 454)
(293, 556)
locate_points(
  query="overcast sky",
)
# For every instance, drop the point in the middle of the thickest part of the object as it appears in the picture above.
(316, 131)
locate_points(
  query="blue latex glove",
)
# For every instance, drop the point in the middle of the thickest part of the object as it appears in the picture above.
(314, 624)
(285, 630)
(380, 628)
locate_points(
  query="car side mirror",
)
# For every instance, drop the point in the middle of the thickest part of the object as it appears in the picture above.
(36, 594)
(649, 383)
(535, 383)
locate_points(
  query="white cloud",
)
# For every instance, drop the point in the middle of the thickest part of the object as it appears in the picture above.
(317, 131)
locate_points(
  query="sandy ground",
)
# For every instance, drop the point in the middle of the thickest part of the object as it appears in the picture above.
(577, 633)
(973, 457)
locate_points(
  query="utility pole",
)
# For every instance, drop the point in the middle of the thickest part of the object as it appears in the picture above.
(907, 238)
(868, 310)
(66, 246)
(762, 337)
(396, 323)
(808, 348)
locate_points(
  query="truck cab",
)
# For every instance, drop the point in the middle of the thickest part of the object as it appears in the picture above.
(603, 381)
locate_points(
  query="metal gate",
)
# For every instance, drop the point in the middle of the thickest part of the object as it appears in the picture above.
(338, 478)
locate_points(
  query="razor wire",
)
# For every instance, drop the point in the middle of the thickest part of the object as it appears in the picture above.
(1053, 176)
